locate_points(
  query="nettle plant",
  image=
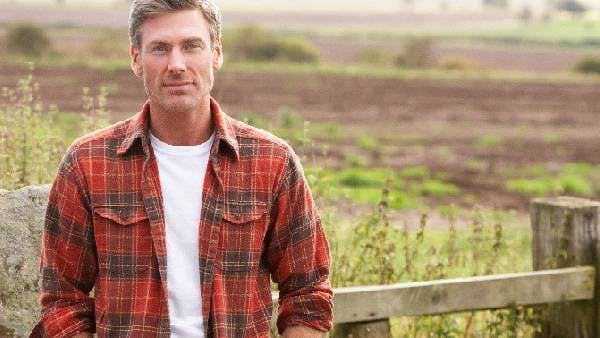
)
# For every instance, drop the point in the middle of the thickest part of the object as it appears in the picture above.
(33, 139)
(374, 251)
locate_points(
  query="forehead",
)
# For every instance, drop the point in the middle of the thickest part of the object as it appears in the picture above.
(175, 26)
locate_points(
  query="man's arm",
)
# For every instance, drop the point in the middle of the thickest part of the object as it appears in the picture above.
(298, 255)
(83, 335)
(302, 332)
(68, 258)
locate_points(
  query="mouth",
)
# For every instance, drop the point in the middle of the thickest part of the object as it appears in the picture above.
(177, 84)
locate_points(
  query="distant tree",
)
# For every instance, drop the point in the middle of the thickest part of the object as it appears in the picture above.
(571, 6)
(60, 2)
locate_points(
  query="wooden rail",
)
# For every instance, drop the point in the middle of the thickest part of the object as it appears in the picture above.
(566, 257)
(356, 304)
(368, 303)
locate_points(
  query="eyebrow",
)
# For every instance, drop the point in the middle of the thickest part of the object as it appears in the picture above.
(187, 40)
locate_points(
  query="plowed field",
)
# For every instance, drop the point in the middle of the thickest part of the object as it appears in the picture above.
(437, 123)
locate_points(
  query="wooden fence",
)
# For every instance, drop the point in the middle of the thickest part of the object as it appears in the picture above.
(566, 260)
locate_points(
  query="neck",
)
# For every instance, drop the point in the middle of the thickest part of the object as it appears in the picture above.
(185, 128)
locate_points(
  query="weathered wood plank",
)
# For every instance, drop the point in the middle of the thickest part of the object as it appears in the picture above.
(566, 232)
(368, 303)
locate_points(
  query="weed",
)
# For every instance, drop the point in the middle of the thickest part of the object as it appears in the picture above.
(32, 140)
(367, 142)
(254, 120)
(355, 161)
(488, 142)
(572, 178)
(414, 172)
(29, 142)
(289, 119)
(436, 188)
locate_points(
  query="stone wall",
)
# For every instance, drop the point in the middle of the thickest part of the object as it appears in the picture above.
(21, 223)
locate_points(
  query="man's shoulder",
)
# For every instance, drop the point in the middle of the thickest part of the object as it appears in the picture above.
(107, 137)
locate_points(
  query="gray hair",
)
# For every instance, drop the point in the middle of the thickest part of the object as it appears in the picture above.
(141, 10)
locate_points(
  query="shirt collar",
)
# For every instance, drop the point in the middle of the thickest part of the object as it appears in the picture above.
(138, 128)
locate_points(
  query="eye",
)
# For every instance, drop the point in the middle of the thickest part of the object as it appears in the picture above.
(194, 46)
(159, 49)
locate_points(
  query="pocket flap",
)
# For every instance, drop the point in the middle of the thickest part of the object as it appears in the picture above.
(122, 214)
(242, 212)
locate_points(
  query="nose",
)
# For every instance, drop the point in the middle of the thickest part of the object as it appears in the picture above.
(176, 61)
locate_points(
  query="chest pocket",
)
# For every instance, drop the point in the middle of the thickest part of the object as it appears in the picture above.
(123, 240)
(242, 236)
(242, 212)
(122, 214)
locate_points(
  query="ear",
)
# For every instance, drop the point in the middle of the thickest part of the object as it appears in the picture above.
(136, 66)
(218, 55)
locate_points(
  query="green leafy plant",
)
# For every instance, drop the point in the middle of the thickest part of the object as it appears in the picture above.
(33, 139)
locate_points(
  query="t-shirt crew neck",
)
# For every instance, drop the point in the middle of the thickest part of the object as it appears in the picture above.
(181, 170)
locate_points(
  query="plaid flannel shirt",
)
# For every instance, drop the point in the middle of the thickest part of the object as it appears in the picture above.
(105, 231)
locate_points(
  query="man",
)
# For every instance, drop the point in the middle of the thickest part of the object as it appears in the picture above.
(179, 216)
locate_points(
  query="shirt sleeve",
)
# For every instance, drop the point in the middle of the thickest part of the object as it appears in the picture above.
(298, 254)
(68, 258)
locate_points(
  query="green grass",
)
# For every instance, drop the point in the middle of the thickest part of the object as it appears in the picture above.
(367, 142)
(578, 179)
(363, 185)
(488, 142)
(471, 242)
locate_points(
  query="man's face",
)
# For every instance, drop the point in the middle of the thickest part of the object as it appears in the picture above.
(176, 60)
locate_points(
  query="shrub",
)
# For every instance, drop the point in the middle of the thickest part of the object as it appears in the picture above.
(416, 53)
(27, 39)
(588, 65)
(296, 49)
(257, 44)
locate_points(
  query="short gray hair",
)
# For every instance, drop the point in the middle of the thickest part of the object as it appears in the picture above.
(141, 10)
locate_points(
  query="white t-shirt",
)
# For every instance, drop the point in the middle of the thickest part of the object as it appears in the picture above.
(181, 170)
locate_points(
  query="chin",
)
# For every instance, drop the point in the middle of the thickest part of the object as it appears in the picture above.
(178, 104)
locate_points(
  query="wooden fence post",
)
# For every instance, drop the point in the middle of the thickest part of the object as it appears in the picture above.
(371, 329)
(566, 233)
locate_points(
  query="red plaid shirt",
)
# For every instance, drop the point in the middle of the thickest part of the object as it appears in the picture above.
(105, 230)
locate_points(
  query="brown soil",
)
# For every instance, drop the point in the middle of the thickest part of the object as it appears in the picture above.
(440, 124)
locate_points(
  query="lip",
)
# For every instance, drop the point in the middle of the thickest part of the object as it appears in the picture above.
(178, 84)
